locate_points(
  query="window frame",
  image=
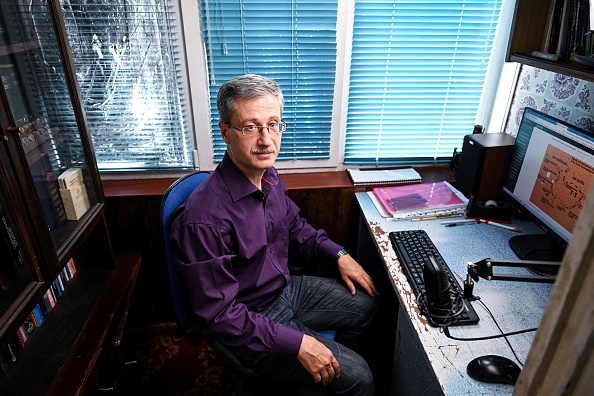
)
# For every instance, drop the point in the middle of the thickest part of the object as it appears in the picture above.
(495, 95)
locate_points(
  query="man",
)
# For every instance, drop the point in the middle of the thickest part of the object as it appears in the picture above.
(230, 242)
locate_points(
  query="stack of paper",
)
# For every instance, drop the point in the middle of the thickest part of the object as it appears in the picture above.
(419, 200)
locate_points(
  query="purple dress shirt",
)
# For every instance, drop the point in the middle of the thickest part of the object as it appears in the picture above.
(230, 241)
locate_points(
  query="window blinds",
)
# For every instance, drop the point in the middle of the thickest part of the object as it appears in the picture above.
(416, 77)
(128, 63)
(292, 42)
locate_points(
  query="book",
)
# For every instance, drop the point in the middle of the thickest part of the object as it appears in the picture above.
(384, 176)
(71, 267)
(47, 187)
(39, 315)
(420, 200)
(75, 201)
(70, 178)
(552, 31)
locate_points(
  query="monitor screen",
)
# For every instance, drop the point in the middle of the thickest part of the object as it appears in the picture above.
(549, 176)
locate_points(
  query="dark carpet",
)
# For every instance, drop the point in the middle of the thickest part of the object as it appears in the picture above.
(166, 364)
(162, 362)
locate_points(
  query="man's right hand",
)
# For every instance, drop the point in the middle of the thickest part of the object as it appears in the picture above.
(318, 360)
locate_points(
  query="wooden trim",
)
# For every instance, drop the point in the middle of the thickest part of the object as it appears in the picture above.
(561, 359)
(293, 181)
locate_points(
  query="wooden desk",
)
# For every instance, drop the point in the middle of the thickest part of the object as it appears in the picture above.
(426, 362)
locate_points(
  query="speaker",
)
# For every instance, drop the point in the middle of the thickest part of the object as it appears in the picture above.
(483, 164)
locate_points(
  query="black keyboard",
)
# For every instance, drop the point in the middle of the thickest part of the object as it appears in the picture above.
(413, 248)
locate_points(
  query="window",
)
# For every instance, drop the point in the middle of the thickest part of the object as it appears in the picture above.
(295, 44)
(129, 69)
(417, 76)
(373, 81)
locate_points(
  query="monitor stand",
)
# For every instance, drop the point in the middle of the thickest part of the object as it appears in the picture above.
(537, 247)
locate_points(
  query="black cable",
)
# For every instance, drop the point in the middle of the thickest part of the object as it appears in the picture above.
(446, 331)
(449, 315)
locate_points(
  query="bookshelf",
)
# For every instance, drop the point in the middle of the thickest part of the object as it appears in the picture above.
(527, 33)
(64, 293)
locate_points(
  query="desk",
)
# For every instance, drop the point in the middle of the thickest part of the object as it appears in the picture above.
(426, 362)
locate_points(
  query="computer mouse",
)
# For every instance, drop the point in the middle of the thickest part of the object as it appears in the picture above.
(493, 369)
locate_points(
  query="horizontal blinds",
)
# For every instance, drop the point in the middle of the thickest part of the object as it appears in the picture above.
(292, 42)
(127, 60)
(416, 77)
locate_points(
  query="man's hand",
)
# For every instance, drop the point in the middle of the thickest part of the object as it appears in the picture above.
(318, 360)
(350, 271)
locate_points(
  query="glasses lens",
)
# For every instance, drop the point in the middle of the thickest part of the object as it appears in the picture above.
(250, 130)
(254, 130)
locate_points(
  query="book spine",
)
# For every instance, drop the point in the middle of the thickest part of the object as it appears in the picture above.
(22, 336)
(48, 189)
(555, 27)
(38, 313)
(71, 267)
(50, 299)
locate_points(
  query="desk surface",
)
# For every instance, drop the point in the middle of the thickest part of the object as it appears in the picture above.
(515, 305)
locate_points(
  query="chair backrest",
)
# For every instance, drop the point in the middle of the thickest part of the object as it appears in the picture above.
(175, 195)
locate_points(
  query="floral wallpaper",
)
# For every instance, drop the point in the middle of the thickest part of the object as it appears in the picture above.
(566, 98)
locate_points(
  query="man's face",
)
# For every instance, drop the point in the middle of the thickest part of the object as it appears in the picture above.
(253, 154)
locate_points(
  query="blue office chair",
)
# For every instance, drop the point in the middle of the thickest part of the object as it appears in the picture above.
(175, 195)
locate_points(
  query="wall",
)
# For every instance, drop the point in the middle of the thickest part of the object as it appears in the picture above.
(566, 98)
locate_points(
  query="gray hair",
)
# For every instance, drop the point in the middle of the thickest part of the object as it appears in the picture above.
(248, 86)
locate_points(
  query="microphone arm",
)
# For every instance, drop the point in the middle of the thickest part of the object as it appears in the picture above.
(484, 269)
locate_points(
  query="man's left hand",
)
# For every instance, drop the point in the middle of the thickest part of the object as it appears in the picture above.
(351, 271)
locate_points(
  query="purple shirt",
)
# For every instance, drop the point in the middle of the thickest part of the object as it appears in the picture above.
(231, 243)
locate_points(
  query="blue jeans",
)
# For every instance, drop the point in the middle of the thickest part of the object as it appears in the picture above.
(312, 304)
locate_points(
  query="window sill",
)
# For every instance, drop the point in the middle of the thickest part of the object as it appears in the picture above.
(293, 181)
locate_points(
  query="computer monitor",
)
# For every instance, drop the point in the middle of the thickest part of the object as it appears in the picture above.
(548, 179)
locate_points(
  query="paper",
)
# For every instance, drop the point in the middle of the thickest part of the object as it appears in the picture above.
(420, 200)
(385, 176)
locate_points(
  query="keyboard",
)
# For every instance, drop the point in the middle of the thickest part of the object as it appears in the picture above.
(413, 248)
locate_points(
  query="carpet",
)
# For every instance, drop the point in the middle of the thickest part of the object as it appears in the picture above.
(166, 364)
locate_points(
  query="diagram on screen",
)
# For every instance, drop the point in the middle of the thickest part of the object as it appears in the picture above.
(562, 186)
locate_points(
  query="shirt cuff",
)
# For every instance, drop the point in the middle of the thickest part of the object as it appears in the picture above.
(329, 249)
(291, 343)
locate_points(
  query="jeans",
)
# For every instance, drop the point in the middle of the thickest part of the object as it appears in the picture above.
(313, 303)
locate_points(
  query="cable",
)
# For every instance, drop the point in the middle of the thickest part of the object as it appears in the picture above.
(446, 331)
(449, 315)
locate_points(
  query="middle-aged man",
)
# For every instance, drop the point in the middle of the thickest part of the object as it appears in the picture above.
(231, 240)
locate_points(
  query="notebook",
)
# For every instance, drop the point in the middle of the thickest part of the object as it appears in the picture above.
(384, 176)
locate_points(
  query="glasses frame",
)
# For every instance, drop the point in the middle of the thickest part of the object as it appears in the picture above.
(282, 126)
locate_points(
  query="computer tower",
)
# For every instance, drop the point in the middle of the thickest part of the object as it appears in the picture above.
(483, 164)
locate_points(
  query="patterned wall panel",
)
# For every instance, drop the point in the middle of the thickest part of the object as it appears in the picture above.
(566, 98)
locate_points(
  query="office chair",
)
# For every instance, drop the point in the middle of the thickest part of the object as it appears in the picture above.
(175, 195)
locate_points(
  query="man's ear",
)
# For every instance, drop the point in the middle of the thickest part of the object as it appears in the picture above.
(224, 131)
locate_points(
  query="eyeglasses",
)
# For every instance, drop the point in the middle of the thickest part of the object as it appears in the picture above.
(253, 130)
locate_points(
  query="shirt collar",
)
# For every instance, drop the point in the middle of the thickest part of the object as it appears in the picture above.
(238, 184)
